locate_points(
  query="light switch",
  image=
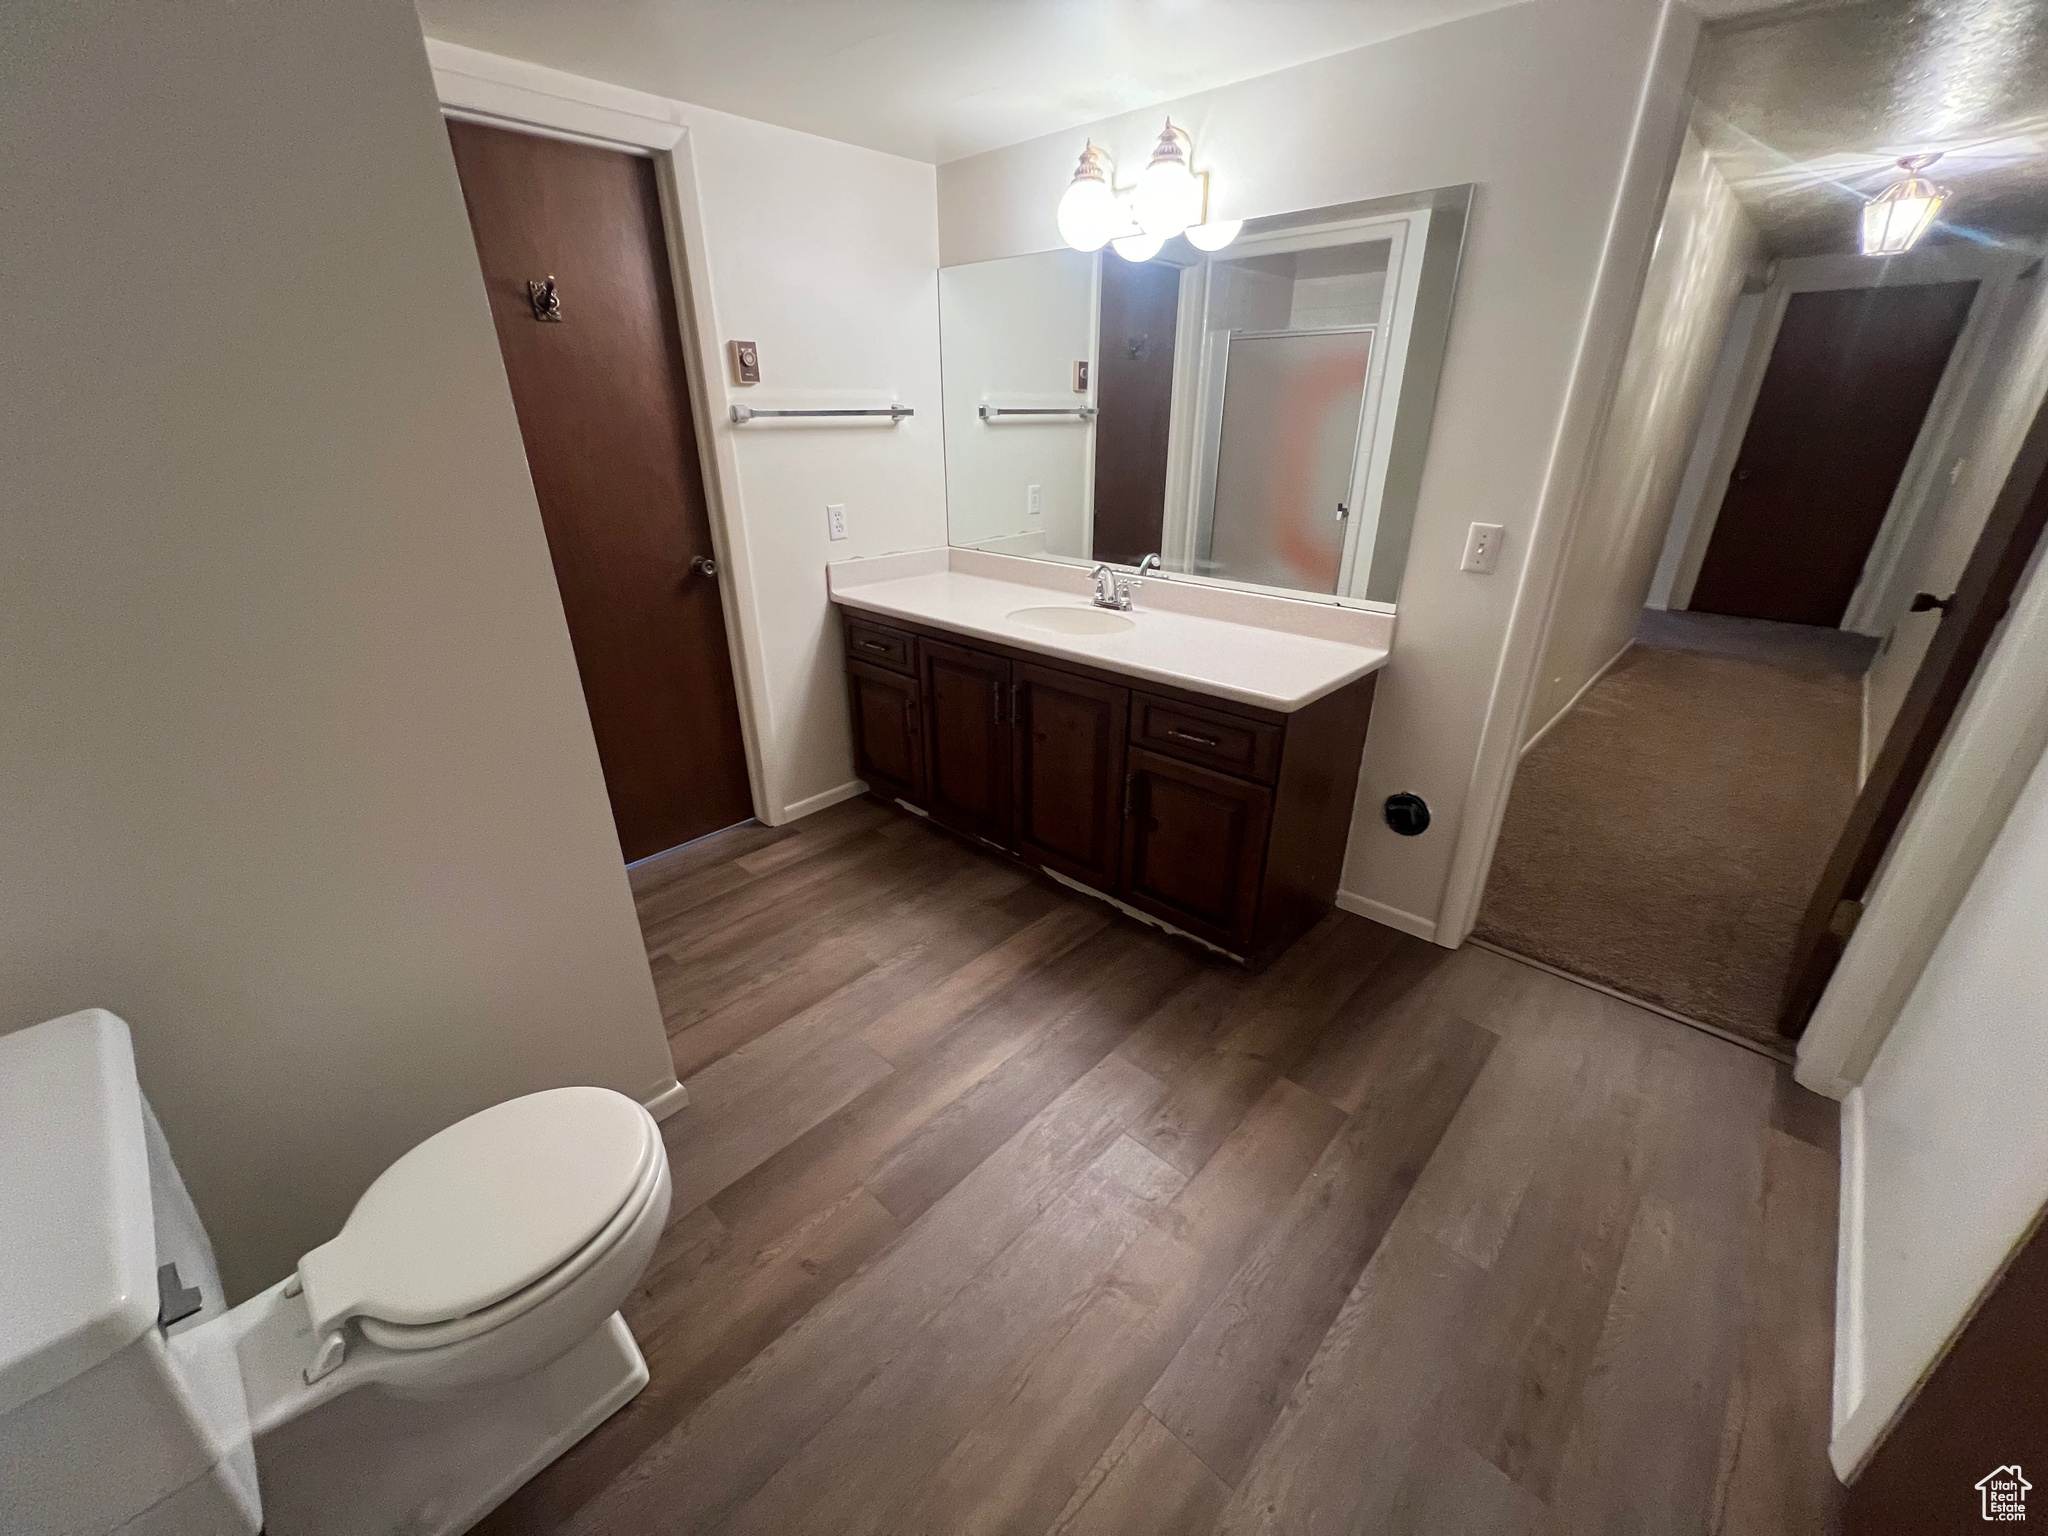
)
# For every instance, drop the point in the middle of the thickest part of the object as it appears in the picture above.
(835, 519)
(1034, 501)
(1482, 548)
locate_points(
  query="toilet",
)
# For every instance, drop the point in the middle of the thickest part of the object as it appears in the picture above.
(455, 1336)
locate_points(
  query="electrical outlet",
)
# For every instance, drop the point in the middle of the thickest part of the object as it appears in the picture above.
(1482, 548)
(835, 519)
(1034, 501)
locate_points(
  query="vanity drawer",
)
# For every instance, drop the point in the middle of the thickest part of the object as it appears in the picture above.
(881, 646)
(1248, 748)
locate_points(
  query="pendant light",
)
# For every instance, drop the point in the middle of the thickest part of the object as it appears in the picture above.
(1088, 212)
(1900, 214)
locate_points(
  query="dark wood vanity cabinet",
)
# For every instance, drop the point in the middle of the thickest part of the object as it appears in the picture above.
(1067, 768)
(967, 740)
(888, 738)
(1223, 819)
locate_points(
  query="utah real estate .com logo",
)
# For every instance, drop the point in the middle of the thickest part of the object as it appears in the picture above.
(2005, 1493)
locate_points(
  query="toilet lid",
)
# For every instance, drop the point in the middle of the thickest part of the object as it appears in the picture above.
(483, 1208)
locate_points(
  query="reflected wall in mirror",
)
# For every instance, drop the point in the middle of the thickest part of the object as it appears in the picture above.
(1258, 416)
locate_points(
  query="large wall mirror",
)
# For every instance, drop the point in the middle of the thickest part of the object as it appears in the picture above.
(1258, 416)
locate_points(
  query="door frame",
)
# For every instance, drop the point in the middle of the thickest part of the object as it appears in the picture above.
(1871, 606)
(498, 92)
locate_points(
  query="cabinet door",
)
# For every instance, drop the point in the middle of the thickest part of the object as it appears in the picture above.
(888, 746)
(967, 740)
(1194, 847)
(1070, 734)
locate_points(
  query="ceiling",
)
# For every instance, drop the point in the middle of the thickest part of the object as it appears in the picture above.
(935, 80)
(1806, 113)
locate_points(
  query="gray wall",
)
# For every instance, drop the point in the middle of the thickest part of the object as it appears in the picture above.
(295, 772)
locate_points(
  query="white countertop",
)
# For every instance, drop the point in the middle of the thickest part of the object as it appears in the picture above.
(1269, 667)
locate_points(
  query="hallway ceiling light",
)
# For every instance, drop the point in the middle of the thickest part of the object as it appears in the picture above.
(1171, 198)
(1900, 214)
(1089, 213)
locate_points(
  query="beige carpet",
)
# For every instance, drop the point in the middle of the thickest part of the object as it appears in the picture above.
(1664, 837)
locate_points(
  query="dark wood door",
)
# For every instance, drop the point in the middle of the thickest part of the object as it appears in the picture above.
(1982, 1411)
(1848, 384)
(604, 408)
(967, 740)
(888, 742)
(2012, 532)
(1194, 847)
(1133, 400)
(1069, 733)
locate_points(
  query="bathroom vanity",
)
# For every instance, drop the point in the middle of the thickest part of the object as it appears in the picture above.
(1199, 770)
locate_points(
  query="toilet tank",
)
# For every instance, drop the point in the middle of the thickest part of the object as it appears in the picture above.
(108, 1421)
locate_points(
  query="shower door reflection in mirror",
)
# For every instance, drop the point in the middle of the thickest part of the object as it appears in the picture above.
(1257, 416)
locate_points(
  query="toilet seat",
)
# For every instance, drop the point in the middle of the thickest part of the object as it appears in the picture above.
(482, 1220)
(404, 1336)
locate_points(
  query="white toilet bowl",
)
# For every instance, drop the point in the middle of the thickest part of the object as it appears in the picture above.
(488, 1251)
(457, 1334)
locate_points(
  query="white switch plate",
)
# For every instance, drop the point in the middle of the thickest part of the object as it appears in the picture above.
(1482, 548)
(835, 519)
(1034, 501)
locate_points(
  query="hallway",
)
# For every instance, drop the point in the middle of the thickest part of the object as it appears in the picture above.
(1664, 837)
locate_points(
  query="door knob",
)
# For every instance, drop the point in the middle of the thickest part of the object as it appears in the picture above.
(704, 565)
(1742, 474)
(1925, 601)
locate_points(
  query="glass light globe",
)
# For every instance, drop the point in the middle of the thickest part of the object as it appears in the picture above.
(1139, 247)
(1088, 212)
(1168, 197)
(1898, 216)
(1214, 235)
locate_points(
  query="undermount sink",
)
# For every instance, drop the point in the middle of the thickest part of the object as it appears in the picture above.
(1072, 621)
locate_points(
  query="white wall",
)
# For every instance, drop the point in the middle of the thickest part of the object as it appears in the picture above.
(1539, 105)
(2011, 393)
(297, 772)
(1705, 245)
(1012, 331)
(1706, 447)
(1945, 1155)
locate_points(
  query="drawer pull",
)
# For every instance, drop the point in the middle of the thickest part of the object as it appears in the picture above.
(875, 645)
(1193, 737)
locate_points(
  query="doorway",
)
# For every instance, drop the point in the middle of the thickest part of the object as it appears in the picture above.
(1802, 522)
(576, 264)
(1851, 376)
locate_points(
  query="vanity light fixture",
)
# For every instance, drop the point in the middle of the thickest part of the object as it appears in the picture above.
(1170, 198)
(1900, 214)
(1089, 213)
(1138, 247)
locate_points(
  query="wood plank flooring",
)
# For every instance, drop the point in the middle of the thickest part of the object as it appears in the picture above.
(999, 1212)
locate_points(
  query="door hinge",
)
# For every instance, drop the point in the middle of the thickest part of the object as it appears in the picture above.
(1129, 780)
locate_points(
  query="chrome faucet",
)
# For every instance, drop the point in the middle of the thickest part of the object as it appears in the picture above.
(1114, 591)
(1111, 590)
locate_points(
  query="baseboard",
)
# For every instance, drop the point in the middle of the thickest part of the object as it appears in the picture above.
(666, 1101)
(1858, 1426)
(1572, 703)
(1392, 917)
(801, 808)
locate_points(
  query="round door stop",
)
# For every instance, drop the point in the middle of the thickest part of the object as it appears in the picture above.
(1408, 814)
